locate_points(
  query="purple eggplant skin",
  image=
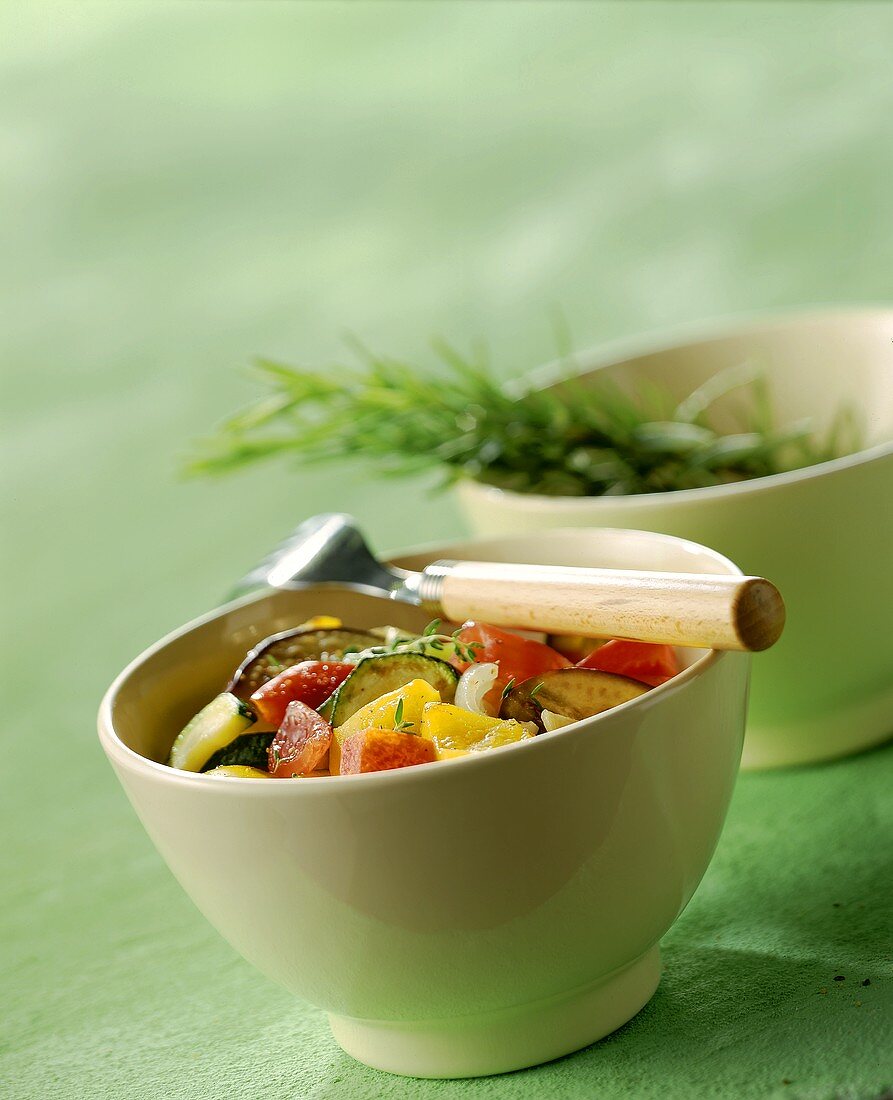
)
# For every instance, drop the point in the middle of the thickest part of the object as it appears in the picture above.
(574, 692)
(290, 647)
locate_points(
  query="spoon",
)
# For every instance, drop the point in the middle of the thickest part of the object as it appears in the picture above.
(701, 610)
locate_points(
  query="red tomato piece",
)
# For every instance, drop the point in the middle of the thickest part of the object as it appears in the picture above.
(301, 744)
(518, 658)
(310, 682)
(647, 662)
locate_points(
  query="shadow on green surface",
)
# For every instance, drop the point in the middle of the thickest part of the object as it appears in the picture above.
(763, 1003)
(754, 1022)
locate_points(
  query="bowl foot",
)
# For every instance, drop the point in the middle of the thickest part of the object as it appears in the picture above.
(474, 1046)
(860, 726)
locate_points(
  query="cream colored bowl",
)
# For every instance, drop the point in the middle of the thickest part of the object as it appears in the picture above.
(459, 918)
(824, 535)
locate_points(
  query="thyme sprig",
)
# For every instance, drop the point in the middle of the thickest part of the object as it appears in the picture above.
(446, 647)
(399, 725)
(575, 438)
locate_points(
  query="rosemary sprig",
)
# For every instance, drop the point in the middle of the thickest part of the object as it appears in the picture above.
(574, 439)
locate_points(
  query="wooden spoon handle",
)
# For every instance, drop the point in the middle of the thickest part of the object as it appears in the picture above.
(692, 609)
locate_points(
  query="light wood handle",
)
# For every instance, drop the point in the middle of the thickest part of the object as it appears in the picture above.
(692, 609)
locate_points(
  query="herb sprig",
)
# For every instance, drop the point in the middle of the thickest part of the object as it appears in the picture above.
(429, 643)
(399, 725)
(573, 439)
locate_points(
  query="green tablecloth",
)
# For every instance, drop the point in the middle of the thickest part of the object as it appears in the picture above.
(185, 185)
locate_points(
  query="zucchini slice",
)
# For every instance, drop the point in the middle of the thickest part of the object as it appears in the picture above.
(290, 647)
(376, 676)
(213, 728)
(575, 693)
(248, 750)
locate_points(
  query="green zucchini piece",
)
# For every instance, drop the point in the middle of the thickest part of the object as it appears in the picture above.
(376, 676)
(290, 647)
(249, 750)
(213, 728)
(576, 693)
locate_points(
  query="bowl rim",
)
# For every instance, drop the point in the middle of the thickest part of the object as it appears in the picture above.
(619, 352)
(122, 755)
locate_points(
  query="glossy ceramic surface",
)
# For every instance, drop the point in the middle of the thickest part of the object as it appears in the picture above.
(459, 918)
(824, 535)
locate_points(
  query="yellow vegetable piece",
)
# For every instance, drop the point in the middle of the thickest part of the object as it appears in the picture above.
(237, 771)
(405, 703)
(449, 754)
(452, 727)
(322, 622)
(382, 713)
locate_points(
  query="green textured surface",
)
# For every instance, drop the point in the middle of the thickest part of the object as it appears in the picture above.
(186, 185)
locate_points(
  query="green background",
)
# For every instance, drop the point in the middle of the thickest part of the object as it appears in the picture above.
(187, 185)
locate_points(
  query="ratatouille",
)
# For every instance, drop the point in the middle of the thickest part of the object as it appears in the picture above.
(325, 699)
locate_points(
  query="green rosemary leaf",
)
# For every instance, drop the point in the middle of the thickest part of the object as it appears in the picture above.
(670, 437)
(580, 437)
(695, 406)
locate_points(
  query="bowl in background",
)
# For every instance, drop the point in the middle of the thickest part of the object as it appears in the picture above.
(823, 534)
(466, 917)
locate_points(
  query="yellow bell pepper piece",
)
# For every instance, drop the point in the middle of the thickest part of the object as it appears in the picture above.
(451, 727)
(405, 703)
(237, 771)
(449, 754)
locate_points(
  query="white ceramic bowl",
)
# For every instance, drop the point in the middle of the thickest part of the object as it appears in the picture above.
(824, 535)
(459, 918)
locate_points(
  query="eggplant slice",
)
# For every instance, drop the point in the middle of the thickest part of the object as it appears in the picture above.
(574, 692)
(290, 647)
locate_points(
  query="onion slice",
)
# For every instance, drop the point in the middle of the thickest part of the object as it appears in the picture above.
(552, 721)
(474, 683)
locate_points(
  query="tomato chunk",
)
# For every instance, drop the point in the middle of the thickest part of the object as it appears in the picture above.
(647, 662)
(518, 658)
(310, 682)
(301, 744)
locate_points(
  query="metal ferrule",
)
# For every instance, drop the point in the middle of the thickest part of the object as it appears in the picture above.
(429, 587)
